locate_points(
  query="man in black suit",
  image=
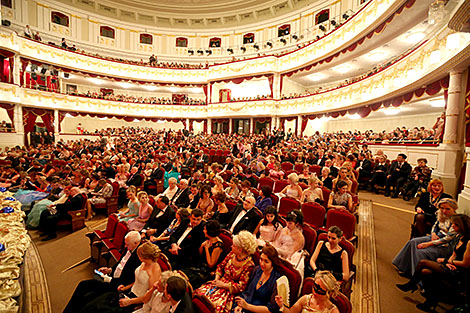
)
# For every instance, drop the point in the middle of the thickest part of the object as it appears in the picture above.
(320, 158)
(175, 291)
(135, 179)
(244, 217)
(228, 164)
(201, 160)
(157, 173)
(187, 165)
(397, 174)
(364, 166)
(194, 196)
(54, 213)
(123, 273)
(186, 240)
(160, 218)
(181, 197)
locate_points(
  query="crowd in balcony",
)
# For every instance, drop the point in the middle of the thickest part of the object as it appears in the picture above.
(183, 100)
(258, 97)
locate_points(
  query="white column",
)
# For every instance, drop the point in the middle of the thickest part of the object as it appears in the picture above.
(16, 70)
(230, 126)
(464, 197)
(187, 124)
(277, 86)
(209, 126)
(252, 126)
(56, 123)
(453, 108)
(299, 125)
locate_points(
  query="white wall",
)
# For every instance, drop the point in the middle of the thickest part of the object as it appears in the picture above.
(376, 124)
(69, 124)
(248, 88)
(291, 87)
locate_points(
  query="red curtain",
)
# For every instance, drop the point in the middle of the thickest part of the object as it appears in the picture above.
(10, 108)
(467, 111)
(271, 84)
(282, 120)
(29, 120)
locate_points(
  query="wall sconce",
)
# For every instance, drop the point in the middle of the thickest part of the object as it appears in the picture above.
(243, 49)
(333, 22)
(269, 44)
(295, 37)
(345, 16)
(191, 52)
(322, 28)
(209, 52)
(256, 47)
(283, 40)
(200, 51)
(230, 50)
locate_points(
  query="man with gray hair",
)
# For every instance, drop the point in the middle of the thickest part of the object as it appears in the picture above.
(181, 197)
(123, 273)
(244, 217)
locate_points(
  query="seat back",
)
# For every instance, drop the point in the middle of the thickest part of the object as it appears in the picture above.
(294, 278)
(303, 185)
(119, 235)
(287, 204)
(326, 196)
(345, 244)
(111, 226)
(287, 166)
(299, 167)
(230, 205)
(202, 305)
(310, 236)
(164, 262)
(314, 214)
(274, 199)
(226, 238)
(342, 303)
(255, 192)
(354, 186)
(315, 169)
(307, 286)
(266, 181)
(279, 185)
(343, 219)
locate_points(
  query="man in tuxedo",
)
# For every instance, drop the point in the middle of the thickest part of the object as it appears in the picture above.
(244, 217)
(228, 165)
(167, 164)
(321, 158)
(397, 174)
(181, 197)
(160, 218)
(364, 166)
(333, 170)
(123, 273)
(54, 213)
(201, 160)
(186, 240)
(194, 196)
(187, 165)
(157, 173)
(379, 174)
(175, 291)
(135, 179)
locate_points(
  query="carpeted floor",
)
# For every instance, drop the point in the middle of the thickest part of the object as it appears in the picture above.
(383, 221)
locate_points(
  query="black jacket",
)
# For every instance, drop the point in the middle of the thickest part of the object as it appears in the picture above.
(248, 222)
(162, 222)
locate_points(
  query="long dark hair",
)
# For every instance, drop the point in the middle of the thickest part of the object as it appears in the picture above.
(272, 255)
(462, 222)
(271, 210)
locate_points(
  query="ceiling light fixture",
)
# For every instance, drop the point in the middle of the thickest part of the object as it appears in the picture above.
(376, 56)
(96, 81)
(150, 87)
(316, 77)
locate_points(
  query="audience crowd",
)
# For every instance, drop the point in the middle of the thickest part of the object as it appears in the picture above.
(150, 100)
(205, 195)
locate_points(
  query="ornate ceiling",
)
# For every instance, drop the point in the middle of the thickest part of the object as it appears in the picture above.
(190, 13)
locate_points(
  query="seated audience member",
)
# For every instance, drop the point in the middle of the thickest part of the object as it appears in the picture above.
(176, 293)
(245, 191)
(243, 217)
(329, 256)
(145, 211)
(210, 255)
(156, 174)
(305, 175)
(206, 204)
(186, 240)
(221, 214)
(264, 199)
(363, 166)
(120, 274)
(104, 190)
(420, 175)
(155, 300)
(160, 218)
(181, 197)
(343, 175)
(325, 178)
(340, 198)
(290, 241)
(452, 271)
(232, 274)
(164, 238)
(232, 190)
(194, 197)
(397, 175)
(34, 215)
(135, 179)
(379, 174)
(260, 294)
(132, 206)
(426, 208)
(293, 190)
(218, 185)
(28, 32)
(276, 172)
(324, 288)
(201, 160)
(55, 212)
(313, 193)
(250, 177)
(126, 298)
(172, 189)
(438, 244)
(268, 228)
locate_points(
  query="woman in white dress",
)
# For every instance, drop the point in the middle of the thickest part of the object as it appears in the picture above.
(293, 190)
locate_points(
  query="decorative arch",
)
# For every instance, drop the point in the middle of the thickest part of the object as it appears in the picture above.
(182, 42)
(108, 32)
(322, 16)
(59, 18)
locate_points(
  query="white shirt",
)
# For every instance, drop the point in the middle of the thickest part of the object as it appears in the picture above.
(239, 217)
(162, 211)
(173, 307)
(186, 232)
(169, 193)
(120, 267)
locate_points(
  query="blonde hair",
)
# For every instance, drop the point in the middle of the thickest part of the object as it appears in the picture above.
(453, 205)
(330, 282)
(141, 193)
(149, 251)
(293, 177)
(167, 274)
(245, 241)
(312, 180)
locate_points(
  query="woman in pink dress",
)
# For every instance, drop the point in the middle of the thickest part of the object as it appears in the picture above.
(232, 275)
(145, 210)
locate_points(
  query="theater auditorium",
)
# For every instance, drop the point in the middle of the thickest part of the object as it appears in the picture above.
(222, 156)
